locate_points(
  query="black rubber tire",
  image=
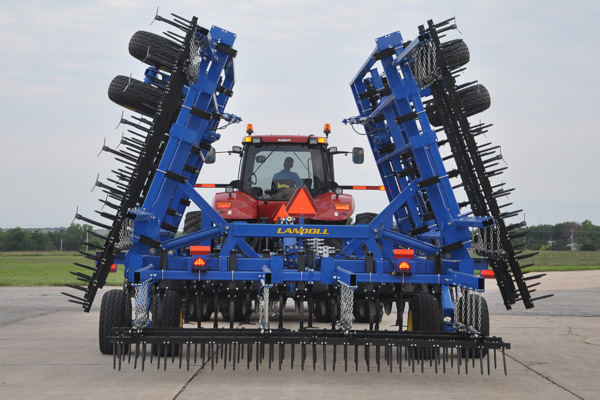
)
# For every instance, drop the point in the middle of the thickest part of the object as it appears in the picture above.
(134, 95)
(193, 222)
(360, 311)
(364, 218)
(113, 313)
(474, 99)
(167, 313)
(425, 314)
(154, 49)
(456, 52)
(468, 311)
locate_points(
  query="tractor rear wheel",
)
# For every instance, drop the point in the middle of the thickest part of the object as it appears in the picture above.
(154, 49)
(469, 311)
(114, 312)
(134, 95)
(167, 313)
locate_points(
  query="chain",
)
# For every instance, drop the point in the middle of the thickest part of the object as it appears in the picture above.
(125, 236)
(479, 326)
(141, 320)
(346, 307)
(263, 310)
(424, 65)
(195, 58)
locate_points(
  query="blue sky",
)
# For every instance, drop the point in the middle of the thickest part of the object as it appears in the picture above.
(538, 59)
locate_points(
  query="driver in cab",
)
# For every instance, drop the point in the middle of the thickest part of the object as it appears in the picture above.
(286, 174)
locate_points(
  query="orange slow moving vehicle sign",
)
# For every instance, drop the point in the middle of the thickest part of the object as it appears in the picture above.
(301, 204)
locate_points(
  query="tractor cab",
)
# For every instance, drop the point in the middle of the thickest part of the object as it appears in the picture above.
(274, 167)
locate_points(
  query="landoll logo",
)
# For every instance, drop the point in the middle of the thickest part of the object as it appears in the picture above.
(302, 231)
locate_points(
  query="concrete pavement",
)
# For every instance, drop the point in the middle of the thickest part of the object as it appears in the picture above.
(48, 349)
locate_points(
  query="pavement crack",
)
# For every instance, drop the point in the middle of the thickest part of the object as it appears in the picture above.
(545, 377)
(198, 371)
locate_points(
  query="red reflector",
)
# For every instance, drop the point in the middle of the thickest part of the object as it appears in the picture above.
(113, 268)
(404, 266)
(199, 250)
(487, 273)
(205, 185)
(199, 263)
(404, 253)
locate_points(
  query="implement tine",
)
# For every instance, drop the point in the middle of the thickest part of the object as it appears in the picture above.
(257, 355)
(303, 354)
(143, 355)
(314, 354)
(458, 357)
(324, 356)
(187, 356)
(235, 355)
(292, 355)
(504, 361)
(488, 363)
(114, 355)
(181, 354)
(345, 357)
(390, 357)
(399, 356)
(356, 356)
(436, 353)
(368, 357)
(212, 354)
(137, 354)
(481, 359)
(225, 355)
(281, 350)
(378, 357)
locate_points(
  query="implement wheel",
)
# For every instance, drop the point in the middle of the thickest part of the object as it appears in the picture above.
(114, 313)
(154, 49)
(467, 313)
(456, 52)
(167, 313)
(134, 95)
(474, 99)
(425, 315)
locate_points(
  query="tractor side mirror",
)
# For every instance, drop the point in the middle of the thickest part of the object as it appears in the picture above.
(211, 156)
(358, 155)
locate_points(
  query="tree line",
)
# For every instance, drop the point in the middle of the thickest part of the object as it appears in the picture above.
(65, 239)
(541, 237)
(585, 236)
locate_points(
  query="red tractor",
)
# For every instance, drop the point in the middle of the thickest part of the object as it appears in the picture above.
(272, 168)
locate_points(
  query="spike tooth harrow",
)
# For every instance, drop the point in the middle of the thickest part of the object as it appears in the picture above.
(251, 348)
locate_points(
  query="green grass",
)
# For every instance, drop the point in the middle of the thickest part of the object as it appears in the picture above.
(46, 269)
(52, 268)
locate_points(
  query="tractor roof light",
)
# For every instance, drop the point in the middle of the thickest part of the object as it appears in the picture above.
(249, 129)
(317, 140)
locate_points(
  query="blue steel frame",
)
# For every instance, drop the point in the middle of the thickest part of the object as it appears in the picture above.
(440, 242)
